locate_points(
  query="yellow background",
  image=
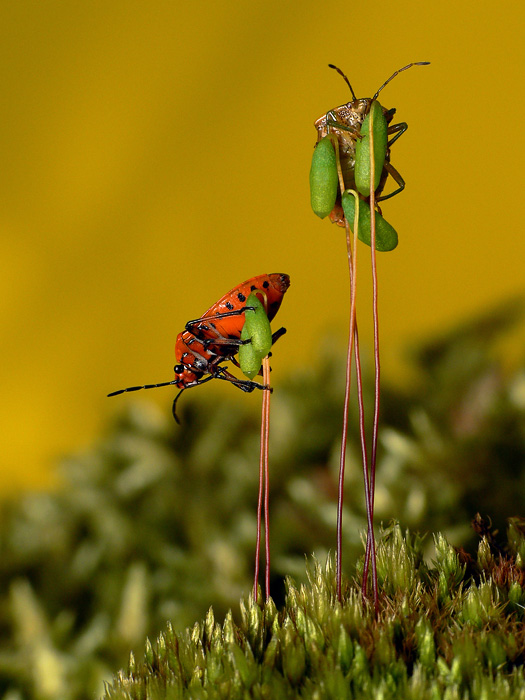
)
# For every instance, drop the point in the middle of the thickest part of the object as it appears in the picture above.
(155, 154)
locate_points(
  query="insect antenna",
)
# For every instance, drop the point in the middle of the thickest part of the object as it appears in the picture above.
(197, 382)
(174, 407)
(145, 386)
(418, 63)
(331, 65)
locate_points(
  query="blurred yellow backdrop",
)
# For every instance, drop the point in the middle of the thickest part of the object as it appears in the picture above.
(156, 154)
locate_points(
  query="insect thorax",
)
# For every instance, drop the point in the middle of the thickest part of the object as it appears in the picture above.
(350, 115)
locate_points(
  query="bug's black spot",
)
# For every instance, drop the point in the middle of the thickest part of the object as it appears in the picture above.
(253, 288)
(229, 306)
(233, 337)
(266, 284)
(204, 327)
(241, 297)
(212, 325)
(273, 309)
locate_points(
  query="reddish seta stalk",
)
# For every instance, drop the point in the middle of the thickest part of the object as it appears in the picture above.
(370, 541)
(264, 485)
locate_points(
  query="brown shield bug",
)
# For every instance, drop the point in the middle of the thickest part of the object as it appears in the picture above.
(344, 123)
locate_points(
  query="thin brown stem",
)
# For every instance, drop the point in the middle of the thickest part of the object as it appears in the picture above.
(264, 485)
(342, 459)
(359, 380)
(346, 404)
(352, 271)
(353, 337)
(370, 542)
(366, 475)
(259, 504)
(266, 423)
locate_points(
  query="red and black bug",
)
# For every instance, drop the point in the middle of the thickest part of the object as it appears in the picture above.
(215, 337)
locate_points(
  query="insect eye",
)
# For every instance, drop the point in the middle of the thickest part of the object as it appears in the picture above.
(178, 369)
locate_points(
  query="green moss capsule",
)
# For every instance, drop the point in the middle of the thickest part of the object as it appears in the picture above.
(256, 329)
(249, 359)
(362, 150)
(323, 178)
(386, 235)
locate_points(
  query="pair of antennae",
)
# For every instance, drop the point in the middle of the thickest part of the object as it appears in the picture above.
(418, 63)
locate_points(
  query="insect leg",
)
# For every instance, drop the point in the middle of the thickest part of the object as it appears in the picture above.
(243, 384)
(275, 338)
(396, 177)
(200, 326)
(342, 127)
(398, 130)
(215, 317)
(220, 340)
(278, 334)
(237, 341)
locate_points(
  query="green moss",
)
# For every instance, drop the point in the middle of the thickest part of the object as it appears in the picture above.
(470, 642)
